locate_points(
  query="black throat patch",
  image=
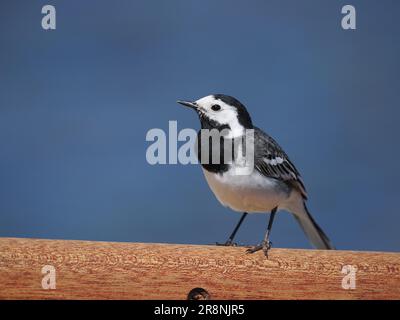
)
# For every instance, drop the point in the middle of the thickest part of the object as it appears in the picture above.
(214, 147)
(209, 124)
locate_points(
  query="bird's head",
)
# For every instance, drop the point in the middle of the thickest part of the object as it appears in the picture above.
(219, 111)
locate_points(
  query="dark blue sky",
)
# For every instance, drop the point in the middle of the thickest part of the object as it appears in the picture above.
(76, 104)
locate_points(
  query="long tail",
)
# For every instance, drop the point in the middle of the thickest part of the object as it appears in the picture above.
(312, 230)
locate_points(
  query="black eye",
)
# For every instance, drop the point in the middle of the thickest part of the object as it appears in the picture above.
(216, 107)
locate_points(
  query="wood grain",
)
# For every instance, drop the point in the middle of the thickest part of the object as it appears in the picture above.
(109, 270)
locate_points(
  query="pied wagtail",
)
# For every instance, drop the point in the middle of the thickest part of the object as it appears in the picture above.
(274, 183)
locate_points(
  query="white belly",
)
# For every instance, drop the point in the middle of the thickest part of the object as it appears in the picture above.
(247, 193)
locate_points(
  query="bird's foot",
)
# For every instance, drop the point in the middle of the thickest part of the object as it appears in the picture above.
(264, 246)
(228, 243)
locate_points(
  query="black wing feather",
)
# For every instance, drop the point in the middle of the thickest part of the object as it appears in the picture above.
(272, 161)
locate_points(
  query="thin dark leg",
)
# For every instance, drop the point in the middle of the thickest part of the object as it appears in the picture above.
(229, 242)
(233, 234)
(265, 245)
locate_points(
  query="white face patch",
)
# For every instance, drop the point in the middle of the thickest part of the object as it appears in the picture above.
(227, 115)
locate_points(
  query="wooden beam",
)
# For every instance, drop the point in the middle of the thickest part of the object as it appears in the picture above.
(109, 270)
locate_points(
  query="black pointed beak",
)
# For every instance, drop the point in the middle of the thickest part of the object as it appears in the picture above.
(189, 104)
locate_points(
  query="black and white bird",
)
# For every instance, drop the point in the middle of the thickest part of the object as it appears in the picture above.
(274, 183)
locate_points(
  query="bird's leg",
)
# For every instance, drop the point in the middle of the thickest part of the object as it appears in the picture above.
(265, 245)
(230, 242)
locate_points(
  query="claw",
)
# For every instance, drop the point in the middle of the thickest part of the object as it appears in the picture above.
(264, 246)
(228, 243)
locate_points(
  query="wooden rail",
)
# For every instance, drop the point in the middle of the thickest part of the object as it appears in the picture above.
(109, 270)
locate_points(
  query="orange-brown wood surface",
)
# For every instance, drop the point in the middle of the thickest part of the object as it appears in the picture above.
(109, 270)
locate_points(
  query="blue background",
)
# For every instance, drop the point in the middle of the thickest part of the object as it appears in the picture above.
(76, 104)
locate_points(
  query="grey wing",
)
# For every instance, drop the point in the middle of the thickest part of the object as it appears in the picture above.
(272, 161)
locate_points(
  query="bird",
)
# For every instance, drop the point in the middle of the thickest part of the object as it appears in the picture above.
(273, 185)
